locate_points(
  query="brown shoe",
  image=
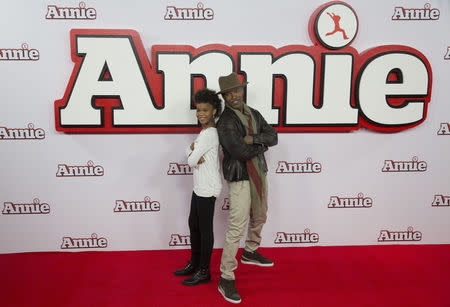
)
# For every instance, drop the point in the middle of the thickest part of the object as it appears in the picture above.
(229, 291)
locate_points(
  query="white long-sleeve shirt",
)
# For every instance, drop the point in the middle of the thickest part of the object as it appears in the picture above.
(207, 177)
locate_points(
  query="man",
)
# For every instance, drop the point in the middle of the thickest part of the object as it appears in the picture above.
(244, 136)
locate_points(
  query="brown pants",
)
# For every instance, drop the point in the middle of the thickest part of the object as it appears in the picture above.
(241, 209)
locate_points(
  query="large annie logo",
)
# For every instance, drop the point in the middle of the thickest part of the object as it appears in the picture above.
(326, 87)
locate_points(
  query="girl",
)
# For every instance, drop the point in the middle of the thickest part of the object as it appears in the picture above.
(203, 156)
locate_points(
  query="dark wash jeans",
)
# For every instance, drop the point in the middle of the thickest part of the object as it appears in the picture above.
(201, 227)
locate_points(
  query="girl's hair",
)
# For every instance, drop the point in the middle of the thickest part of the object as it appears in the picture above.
(206, 95)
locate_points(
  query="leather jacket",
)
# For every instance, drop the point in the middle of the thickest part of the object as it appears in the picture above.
(235, 151)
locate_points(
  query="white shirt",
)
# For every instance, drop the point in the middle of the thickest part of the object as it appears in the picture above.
(207, 177)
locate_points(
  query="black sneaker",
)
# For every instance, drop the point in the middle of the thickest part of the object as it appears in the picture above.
(201, 276)
(229, 291)
(187, 270)
(255, 258)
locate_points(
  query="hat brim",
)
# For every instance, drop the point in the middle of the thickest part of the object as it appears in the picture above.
(243, 84)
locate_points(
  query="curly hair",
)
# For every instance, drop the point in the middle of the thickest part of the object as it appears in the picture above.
(206, 95)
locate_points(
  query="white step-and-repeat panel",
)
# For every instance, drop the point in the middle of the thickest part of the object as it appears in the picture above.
(96, 113)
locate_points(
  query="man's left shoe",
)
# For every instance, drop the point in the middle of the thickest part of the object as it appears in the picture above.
(255, 258)
(201, 276)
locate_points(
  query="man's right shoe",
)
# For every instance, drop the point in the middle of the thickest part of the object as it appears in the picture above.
(187, 270)
(229, 291)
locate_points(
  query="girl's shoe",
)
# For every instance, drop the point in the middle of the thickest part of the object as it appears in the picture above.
(201, 276)
(187, 270)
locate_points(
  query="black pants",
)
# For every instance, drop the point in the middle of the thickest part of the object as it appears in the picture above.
(201, 228)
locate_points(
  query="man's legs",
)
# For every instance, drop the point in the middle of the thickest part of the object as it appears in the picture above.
(239, 198)
(258, 217)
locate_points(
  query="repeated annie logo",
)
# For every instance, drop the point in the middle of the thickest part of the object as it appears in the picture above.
(444, 129)
(179, 240)
(415, 165)
(305, 237)
(36, 207)
(350, 202)
(179, 169)
(89, 170)
(395, 236)
(426, 13)
(61, 13)
(76, 243)
(447, 54)
(308, 167)
(226, 204)
(20, 54)
(196, 13)
(137, 206)
(29, 133)
(441, 201)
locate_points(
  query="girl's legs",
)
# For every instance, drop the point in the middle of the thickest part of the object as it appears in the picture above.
(194, 229)
(205, 217)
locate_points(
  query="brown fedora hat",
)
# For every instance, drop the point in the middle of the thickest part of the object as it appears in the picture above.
(227, 83)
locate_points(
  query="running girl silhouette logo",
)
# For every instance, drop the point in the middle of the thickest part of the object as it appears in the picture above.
(336, 25)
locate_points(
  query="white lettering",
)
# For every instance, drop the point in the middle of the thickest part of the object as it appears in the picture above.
(426, 13)
(306, 237)
(74, 171)
(308, 167)
(374, 91)
(179, 169)
(54, 12)
(92, 242)
(441, 201)
(356, 202)
(179, 240)
(443, 130)
(136, 206)
(409, 235)
(199, 13)
(404, 166)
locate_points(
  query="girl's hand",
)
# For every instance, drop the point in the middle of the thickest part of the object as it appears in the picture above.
(192, 146)
(248, 139)
(201, 160)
